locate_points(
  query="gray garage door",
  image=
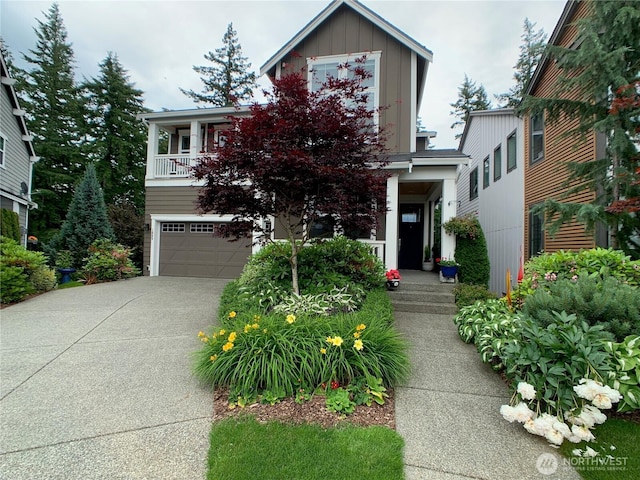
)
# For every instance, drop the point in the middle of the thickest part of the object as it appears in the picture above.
(191, 250)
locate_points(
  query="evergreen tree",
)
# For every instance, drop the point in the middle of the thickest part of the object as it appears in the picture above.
(87, 219)
(51, 100)
(118, 139)
(8, 57)
(531, 50)
(229, 79)
(470, 98)
(598, 86)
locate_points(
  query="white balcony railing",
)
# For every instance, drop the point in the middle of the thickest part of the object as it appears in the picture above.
(377, 246)
(173, 166)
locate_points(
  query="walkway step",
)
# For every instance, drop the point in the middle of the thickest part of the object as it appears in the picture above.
(420, 296)
(422, 307)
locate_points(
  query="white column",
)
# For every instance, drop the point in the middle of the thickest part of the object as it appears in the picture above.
(195, 142)
(391, 232)
(449, 209)
(152, 146)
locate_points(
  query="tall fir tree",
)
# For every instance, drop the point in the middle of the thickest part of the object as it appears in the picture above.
(51, 100)
(531, 50)
(229, 79)
(471, 97)
(118, 139)
(594, 80)
(87, 219)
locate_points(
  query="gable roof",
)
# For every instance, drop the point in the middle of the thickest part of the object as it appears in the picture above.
(482, 113)
(18, 113)
(367, 13)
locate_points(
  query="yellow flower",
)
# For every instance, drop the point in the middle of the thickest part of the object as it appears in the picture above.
(232, 314)
(358, 345)
(361, 327)
(255, 326)
(213, 358)
(291, 319)
(337, 341)
(227, 346)
(329, 339)
(356, 335)
(264, 331)
(256, 318)
(247, 327)
(222, 332)
(232, 337)
(323, 351)
(205, 339)
(201, 333)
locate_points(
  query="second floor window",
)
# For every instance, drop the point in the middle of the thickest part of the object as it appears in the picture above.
(537, 138)
(486, 168)
(512, 152)
(3, 147)
(497, 163)
(473, 184)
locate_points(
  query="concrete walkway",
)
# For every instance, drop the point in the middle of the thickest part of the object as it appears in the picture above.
(448, 412)
(95, 382)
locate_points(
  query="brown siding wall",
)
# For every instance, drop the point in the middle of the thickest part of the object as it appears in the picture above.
(166, 200)
(346, 32)
(545, 178)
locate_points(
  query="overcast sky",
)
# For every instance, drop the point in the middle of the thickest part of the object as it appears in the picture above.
(159, 41)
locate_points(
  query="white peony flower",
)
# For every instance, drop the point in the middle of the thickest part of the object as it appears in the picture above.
(582, 433)
(562, 428)
(601, 401)
(598, 416)
(588, 388)
(554, 436)
(520, 413)
(614, 395)
(526, 391)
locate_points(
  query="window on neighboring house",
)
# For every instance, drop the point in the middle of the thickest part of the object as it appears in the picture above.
(512, 152)
(537, 138)
(497, 163)
(323, 227)
(3, 149)
(536, 232)
(486, 169)
(321, 68)
(473, 184)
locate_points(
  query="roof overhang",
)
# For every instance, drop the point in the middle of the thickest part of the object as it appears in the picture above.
(482, 113)
(201, 114)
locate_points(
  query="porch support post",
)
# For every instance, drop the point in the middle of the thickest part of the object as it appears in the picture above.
(449, 209)
(195, 141)
(391, 232)
(152, 146)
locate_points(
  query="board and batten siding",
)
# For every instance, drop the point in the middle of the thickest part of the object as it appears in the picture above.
(544, 179)
(500, 206)
(346, 32)
(16, 155)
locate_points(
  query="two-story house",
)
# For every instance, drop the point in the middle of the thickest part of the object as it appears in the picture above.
(16, 154)
(179, 241)
(492, 186)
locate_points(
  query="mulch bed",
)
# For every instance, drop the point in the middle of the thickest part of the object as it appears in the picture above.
(314, 411)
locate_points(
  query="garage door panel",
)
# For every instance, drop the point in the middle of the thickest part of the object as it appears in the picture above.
(193, 254)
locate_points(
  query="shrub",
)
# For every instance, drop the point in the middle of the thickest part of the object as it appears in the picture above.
(14, 284)
(342, 300)
(128, 228)
(108, 261)
(466, 294)
(278, 353)
(553, 359)
(606, 302)
(471, 250)
(43, 279)
(626, 375)
(19, 266)
(10, 225)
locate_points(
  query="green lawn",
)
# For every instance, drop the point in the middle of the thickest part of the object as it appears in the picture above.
(243, 448)
(624, 436)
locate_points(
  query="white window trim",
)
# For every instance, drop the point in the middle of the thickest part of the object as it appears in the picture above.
(351, 57)
(3, 163)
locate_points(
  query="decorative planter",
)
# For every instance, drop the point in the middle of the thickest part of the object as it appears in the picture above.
(393, 284)
(449, 271)
(66, 274)
(427, 266)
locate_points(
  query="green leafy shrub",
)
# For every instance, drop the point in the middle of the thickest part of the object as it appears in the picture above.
(471, 250)
(278, 353)
(466, 294)
(108, 261)
(626, 375)
(606, 302)
(18, 267)
(553, 359)
(343, 300)
(10, 225)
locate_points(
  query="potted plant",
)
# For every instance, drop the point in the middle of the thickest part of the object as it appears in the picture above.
(393, 279)
(448, 267)
(64, 262)
(427, 263)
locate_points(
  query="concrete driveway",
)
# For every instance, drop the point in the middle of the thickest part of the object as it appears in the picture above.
(95, 382)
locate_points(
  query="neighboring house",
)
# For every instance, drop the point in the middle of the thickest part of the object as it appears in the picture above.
(16, 154)
(179, 241)
(492, 187)
(547, 151)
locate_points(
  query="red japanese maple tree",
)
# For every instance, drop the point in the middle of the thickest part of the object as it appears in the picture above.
(300, 157)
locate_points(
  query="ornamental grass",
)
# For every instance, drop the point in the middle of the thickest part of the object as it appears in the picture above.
(281, 353)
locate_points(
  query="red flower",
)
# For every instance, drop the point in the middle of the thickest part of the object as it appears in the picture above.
(334, 384)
